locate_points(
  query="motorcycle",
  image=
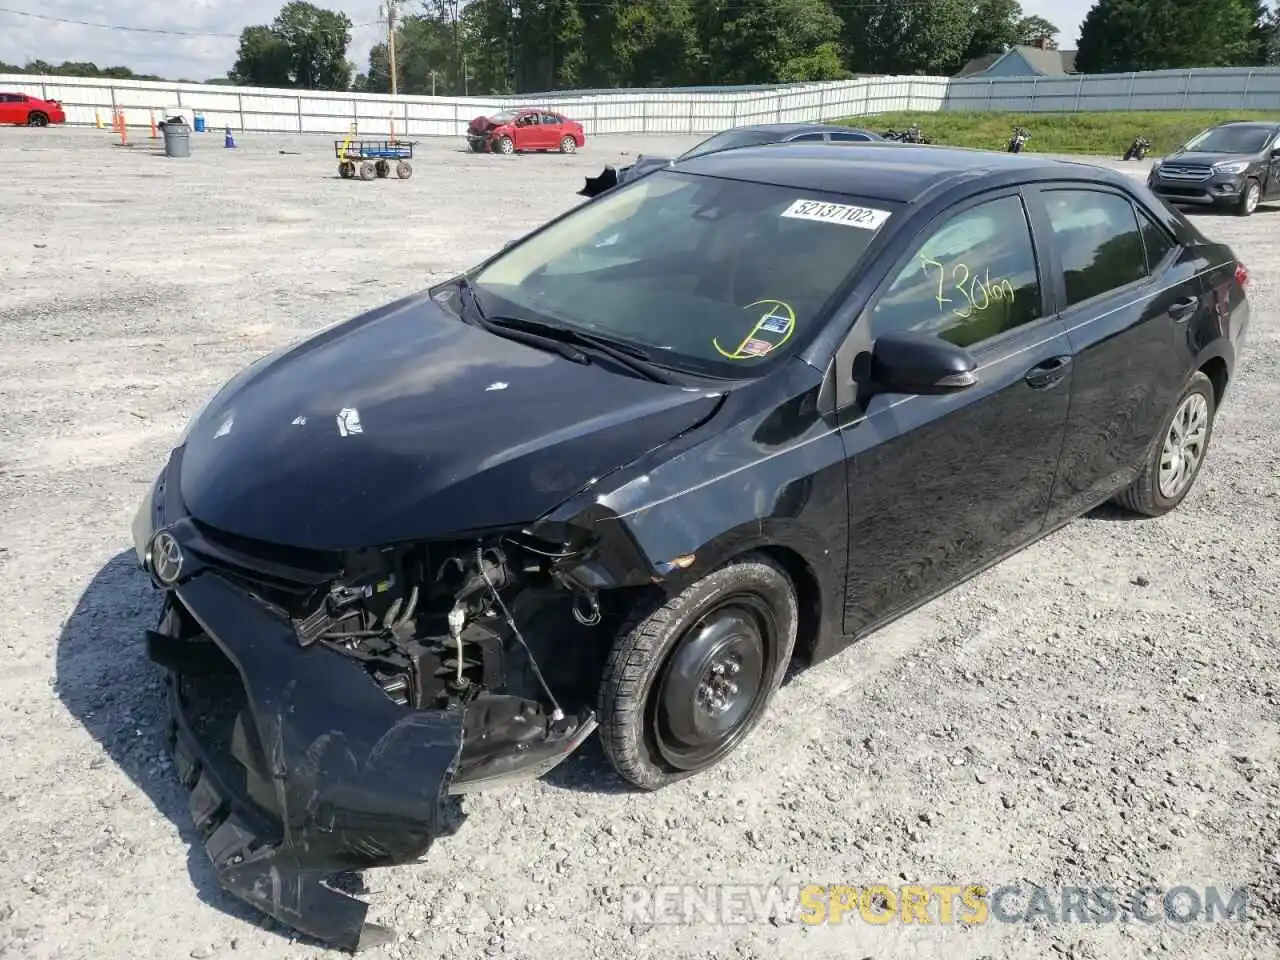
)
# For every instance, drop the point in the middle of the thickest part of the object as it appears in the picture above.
(1138, 149)
(912, 134)
(1019, 139)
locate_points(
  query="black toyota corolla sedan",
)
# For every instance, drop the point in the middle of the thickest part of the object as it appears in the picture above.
(616, 477)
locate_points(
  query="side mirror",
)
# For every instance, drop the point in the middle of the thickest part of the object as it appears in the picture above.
(920, 364)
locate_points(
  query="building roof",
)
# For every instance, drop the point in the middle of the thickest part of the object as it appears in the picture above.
(1044, 63)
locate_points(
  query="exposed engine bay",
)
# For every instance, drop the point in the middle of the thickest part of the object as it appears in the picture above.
(435, 628)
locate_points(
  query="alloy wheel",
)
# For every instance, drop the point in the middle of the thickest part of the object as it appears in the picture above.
(1184, 446)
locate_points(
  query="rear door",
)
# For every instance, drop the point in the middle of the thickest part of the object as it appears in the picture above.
(10, 108)
(552, 129)
(940, 486)
(1128, 292)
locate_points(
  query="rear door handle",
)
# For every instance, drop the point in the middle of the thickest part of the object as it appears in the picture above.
(1182, 309)
(1047, 374)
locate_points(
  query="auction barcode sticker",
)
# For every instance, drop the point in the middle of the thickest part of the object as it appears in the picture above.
(866, 218)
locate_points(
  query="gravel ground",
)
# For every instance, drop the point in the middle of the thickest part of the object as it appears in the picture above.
(1099, 710)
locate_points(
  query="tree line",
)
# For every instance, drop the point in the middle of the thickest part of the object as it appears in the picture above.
(456, 47)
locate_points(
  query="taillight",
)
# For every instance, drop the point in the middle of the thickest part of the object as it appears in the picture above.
(1242, 275)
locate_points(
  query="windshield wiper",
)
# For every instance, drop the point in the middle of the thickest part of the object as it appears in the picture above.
(501, 327)
(633, 358)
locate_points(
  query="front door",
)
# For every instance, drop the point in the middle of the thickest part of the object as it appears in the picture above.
(10, 109)
(1272, 189)
(527, 132)
(940, 486)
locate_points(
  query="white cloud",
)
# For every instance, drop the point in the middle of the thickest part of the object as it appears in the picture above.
(200, 58)
(176, 57)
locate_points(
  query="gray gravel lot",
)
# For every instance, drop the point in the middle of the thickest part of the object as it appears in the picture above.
(1099, 710)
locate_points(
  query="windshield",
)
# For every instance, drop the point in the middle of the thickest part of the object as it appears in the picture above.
(1230, 140)
(728, 140)
(709, 275)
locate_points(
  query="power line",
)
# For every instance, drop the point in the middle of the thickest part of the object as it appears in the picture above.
(152, 30)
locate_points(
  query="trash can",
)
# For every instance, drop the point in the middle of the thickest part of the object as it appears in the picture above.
(177, 138)
(199, 123)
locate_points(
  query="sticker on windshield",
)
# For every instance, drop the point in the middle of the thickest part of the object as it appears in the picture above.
(774, 322)
(865, 218)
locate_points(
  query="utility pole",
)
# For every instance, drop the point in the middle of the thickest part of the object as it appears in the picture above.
(390, 8)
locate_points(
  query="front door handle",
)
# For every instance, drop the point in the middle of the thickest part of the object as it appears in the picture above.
(1047, 374)
(1182, 309)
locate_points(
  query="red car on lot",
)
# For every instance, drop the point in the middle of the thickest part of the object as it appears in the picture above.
(30, 111)
(515, 131)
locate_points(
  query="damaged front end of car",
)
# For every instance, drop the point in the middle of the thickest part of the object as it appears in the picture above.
(324, 705)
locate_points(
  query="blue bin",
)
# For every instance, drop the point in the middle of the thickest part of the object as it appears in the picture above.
(199, 124)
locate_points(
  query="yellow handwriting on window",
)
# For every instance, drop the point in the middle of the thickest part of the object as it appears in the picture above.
(978, 291)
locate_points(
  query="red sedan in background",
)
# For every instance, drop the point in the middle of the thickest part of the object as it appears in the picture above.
(30, 111)
(516, 131)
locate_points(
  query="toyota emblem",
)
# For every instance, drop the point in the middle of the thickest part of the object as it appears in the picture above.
(166, 558)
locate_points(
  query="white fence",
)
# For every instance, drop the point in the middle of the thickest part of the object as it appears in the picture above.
(90, 101)
(1239, 88)
(673, 111)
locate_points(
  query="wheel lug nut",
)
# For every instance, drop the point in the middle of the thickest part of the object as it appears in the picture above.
(732, 688)
(734, 667)
(717, 668)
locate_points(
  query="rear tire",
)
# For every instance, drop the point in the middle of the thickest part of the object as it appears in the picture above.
(1177, 452)
(382, 168)
(687, 682)
(367, 170)
(37, 119)
(404, 170)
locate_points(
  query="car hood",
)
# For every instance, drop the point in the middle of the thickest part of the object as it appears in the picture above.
(1195, 158)
(408, 424)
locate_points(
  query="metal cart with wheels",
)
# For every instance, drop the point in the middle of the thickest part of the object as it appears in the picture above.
(369, 159)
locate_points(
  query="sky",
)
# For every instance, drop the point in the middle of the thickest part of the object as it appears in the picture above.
(24, 38)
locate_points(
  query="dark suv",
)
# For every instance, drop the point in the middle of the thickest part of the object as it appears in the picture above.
(1236, 164)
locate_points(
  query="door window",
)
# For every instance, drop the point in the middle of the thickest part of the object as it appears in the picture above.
(808, 136)
(850, 137)
(1098, 241)
(551, 119)
(974, 278)
(1157, 242)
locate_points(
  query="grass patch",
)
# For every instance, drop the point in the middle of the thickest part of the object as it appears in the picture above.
(1102, 133)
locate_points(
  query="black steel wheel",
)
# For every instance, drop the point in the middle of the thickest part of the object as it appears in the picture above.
(686, 683)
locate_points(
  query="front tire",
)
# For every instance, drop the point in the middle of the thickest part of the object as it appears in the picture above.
(1249, 199)
(568, 145)
(506, 146)
(685, 683)
(1177, 454)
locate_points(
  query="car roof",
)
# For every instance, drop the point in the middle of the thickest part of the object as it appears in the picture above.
(1260, 124)
(888, 171)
